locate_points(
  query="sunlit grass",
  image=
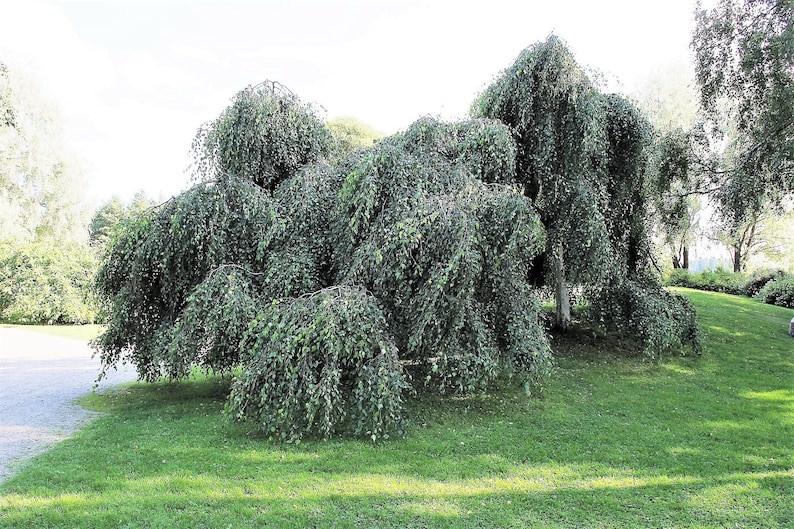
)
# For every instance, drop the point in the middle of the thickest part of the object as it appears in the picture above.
(616, 441)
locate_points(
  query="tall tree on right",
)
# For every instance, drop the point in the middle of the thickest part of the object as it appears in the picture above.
(554, 110)
(744, 61)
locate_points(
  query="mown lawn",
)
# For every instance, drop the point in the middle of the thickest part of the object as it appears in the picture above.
(78, 332)
(616, 442)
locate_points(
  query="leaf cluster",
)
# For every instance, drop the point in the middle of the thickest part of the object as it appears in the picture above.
(265, 136)
(321, 363)
(663, 321)
(447, 254)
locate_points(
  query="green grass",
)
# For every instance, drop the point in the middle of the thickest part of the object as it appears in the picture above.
(78, 332)
(685, 442)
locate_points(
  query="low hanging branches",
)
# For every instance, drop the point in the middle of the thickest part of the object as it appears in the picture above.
(321, 363)
(324, 283)
(319, 280)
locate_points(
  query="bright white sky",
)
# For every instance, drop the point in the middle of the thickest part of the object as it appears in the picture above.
(134, 79)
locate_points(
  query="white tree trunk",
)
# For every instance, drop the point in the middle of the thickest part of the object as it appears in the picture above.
(562, 297)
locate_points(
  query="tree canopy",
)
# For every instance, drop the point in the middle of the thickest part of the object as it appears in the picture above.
(582, 160)
(744, 60)
(336, 284)
(39, 181)
(350, 134)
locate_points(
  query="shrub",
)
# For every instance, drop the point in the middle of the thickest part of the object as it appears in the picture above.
(759, 279)
(719, 280)
(662, 320)
(47, 283)
(778, 292)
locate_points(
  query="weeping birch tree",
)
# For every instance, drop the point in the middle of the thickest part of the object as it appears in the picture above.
(582, 160)
(556, 115)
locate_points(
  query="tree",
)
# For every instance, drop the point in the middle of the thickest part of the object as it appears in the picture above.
(675, 199)
(582, 159)
(321, 284)
(43, 282)
(669, 100)
(330, 286)
(760, 234)
(744, 60)
(350, 134)
(552, 108)
(110, 215)
(39, 182)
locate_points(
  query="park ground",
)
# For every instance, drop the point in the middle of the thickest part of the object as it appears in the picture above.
(616, 441)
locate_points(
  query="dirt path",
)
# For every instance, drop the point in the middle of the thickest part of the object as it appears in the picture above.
(40, 376)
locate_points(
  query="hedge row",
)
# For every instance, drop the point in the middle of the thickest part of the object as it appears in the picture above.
(774, 287)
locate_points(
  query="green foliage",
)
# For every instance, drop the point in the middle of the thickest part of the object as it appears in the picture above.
(581, 159)
(774, 287)
(743, 55)
(264, 136)
(47, 283)
(428, 238)
(321, 364)
(662, 320)
(675, 179)
(349, 134)
(778, 292)
(719, 280)
(625, 182)
(211, 328)
(554, 112)
(160, 257)
(758, 280)
(110, 215)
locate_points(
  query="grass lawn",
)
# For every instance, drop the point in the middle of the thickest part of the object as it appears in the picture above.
(79, 332)
(616, 442)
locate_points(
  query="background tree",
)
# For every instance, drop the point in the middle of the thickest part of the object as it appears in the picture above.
(46, 269)
(350, 134)
(110, 215)
(676, 201)
(744, 60)
(44, 282)
(39, 182)
(669, 100)
(760, 235)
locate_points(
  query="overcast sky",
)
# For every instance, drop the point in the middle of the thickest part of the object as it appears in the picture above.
(134, 79)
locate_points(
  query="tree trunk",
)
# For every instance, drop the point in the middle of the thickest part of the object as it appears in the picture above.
(737, 258)
(685, 262)
(675, 258)
(562, 297)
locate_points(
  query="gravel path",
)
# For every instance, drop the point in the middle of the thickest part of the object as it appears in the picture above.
(40, 376)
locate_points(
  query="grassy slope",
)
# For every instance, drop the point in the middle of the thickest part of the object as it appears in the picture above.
(616, 442)
(78, 332)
